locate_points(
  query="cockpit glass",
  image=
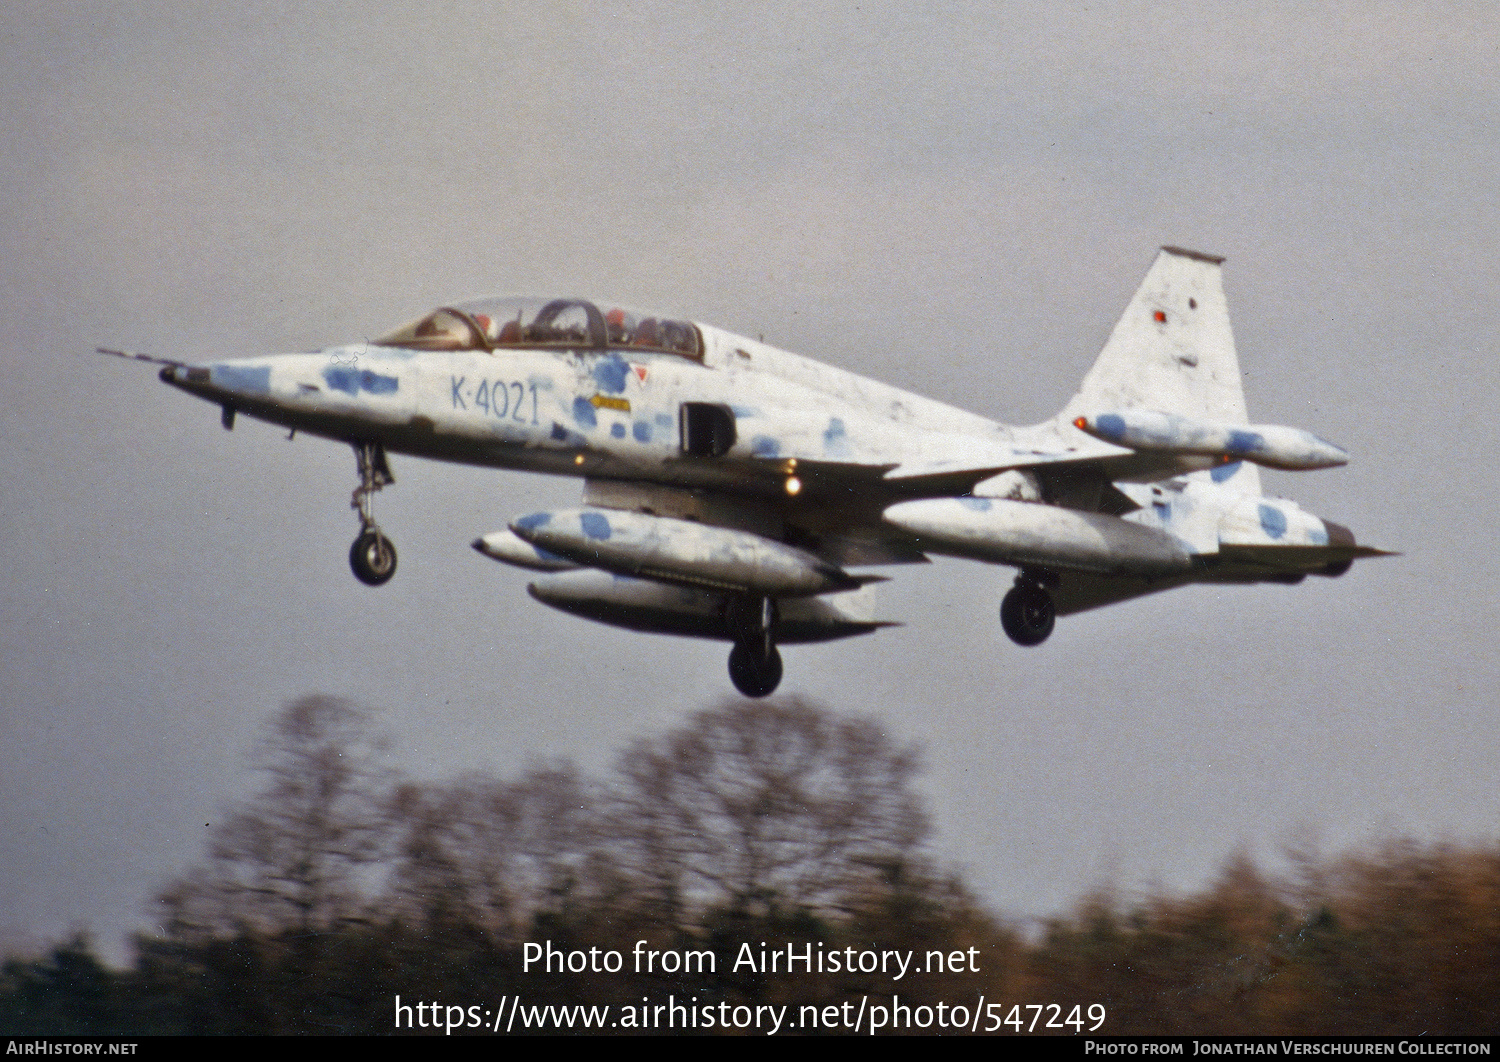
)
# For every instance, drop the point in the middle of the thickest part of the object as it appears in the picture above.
(572, 324)
(442, 329)
(642, 331)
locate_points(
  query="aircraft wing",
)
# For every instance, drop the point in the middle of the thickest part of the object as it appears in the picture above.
(1089, 460)
(1081, 591)
(977, 467)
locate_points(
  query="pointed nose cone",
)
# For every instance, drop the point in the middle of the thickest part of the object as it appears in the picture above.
(221, 380)
(1324, 454)
(507, 547)
(192, 378)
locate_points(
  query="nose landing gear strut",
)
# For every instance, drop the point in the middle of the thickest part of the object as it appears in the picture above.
(373, 556)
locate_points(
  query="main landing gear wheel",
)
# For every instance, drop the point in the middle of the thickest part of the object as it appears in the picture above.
(755, 674)
(1027, 614)
(754, 663)
(373, 558)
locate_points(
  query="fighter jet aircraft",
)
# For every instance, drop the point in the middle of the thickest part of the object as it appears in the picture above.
(729, 488)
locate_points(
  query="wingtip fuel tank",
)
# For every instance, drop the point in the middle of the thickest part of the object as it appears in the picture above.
(1271, 445)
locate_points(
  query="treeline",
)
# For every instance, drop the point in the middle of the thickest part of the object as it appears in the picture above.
(755, 832)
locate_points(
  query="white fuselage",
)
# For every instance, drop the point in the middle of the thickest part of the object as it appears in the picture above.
(603, 414)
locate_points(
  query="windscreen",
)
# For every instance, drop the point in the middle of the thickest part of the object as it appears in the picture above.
(571, 324)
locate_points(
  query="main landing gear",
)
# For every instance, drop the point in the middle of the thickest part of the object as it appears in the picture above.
(373, 556)
(754, 662)
(1027, 612)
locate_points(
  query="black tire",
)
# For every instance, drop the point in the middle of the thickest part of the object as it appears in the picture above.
(752, 674)
(1028, 615)
(373, 558)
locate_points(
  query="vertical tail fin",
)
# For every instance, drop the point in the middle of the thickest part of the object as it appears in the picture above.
(1172, 351)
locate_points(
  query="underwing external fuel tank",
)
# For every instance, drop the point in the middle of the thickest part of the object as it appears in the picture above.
(695, 612)
(1027, 534)
(681, 551)
(509, 548)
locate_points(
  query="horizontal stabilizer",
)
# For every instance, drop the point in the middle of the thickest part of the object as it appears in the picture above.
(1289, 563)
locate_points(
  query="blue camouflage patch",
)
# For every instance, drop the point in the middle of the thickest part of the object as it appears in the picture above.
(1220, 473)
(835, 441)
(595, 526)
(1110, 425)
(1272, 521)
(241, 378)
(610, 373)
(1245, 442)
(353, 381)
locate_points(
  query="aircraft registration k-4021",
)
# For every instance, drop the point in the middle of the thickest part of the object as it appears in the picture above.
(729, 487)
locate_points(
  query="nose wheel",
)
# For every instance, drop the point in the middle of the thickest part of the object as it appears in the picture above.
(373, 556)
(1027, 613)
(754, 662)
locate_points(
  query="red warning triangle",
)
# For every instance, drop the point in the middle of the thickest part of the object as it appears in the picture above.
(640, 370)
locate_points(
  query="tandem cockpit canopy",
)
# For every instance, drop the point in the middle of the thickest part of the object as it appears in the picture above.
(570, 324)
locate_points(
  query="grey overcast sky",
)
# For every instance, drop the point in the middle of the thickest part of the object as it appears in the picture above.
(959, 204)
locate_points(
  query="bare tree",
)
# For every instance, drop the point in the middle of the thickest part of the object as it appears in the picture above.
(292, 856)
(758, 806)
(497, 853)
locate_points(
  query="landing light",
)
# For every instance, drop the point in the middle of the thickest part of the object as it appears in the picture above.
(578, 459)
(793, 485)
